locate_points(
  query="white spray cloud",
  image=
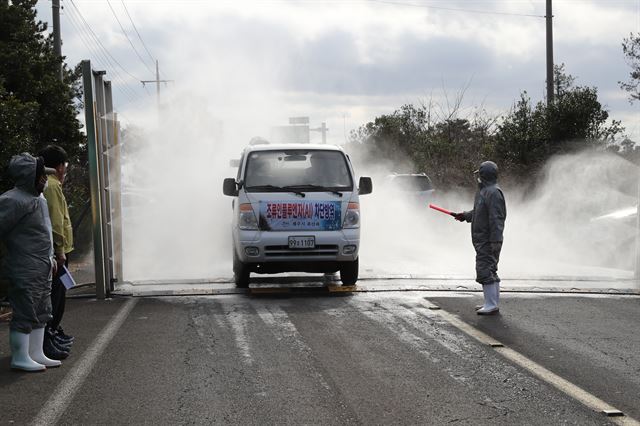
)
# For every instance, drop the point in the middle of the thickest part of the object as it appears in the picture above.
(231, 84)
(552, 231)
(177, 222)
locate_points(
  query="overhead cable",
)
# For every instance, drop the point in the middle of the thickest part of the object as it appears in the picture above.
(128, 39)
(153, 60)
(100, 59)
(97, 39)
(100, 55)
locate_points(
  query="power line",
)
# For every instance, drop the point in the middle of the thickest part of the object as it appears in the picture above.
(451, 9)
(95, 37)
(127, 36)
(136, 30)
(99, 57)
(87, 33)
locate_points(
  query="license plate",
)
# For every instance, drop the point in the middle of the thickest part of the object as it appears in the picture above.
(302, 242)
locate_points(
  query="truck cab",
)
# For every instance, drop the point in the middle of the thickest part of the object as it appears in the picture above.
(296, 209)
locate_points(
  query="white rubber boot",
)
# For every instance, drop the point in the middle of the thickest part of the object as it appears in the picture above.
(498, 293)
(20, 359)
(490, 307)
(36, 340)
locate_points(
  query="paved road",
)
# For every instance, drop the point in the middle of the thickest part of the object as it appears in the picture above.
(370, 358)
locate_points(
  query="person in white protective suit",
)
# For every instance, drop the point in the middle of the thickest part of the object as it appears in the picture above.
(25, 229)
(487, 228)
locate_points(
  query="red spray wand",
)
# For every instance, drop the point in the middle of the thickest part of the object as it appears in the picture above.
(440, 209)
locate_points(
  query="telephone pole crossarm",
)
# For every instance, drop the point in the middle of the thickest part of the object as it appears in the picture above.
(322, 129)
(157, 81)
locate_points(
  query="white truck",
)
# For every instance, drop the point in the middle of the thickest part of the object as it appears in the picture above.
(296, 209)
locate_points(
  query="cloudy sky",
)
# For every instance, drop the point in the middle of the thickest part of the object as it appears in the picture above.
(255, 63)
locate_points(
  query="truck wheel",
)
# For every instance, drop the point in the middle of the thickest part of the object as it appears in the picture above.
(240, 272)
(349, 272)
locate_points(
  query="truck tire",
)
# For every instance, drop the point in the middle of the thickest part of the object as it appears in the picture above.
(349, 272)
(240, 272)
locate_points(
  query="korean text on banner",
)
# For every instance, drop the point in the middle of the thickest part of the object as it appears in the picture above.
(300, 215)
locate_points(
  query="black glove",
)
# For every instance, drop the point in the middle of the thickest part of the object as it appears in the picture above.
(458, 216)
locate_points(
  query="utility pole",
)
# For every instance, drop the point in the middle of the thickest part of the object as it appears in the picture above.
(157, 81)
(322, 129)
(57, 43)
(549, 16)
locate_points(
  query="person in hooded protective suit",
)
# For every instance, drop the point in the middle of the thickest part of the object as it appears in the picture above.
(487, 226)
(25, 229)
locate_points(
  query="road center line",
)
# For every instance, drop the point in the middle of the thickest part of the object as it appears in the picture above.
(66, 390)
(538, 370)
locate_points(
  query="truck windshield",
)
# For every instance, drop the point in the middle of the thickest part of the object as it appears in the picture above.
(307, 170)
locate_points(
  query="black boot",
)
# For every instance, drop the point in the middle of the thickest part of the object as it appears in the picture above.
(64, 337)
(57, 343)
(61, 344)
(51, 350)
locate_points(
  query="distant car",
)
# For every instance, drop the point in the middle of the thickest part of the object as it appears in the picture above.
(417, 186)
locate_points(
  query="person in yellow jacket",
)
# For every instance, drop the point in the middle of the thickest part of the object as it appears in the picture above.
(57, 343)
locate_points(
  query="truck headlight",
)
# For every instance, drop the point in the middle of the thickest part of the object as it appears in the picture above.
(352, 217)
(247, 219)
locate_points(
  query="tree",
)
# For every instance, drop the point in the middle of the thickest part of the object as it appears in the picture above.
(529, 134)
(631, 50)
(36, 108)
(412, 140)
(394, 136)
(447, 146)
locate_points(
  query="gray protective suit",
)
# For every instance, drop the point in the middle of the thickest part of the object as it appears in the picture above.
(487, 223)
(25, 229)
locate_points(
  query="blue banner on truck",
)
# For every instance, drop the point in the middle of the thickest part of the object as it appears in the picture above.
(300, 215)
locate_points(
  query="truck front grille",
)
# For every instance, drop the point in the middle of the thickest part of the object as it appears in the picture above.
(285, 251)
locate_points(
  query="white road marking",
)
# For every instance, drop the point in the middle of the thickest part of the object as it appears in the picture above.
(387, 319)
(410, 326)
(238, 321)
(282, 327)
(538, 370)
(66, 390)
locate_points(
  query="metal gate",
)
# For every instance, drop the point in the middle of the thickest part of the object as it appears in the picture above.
(103, 145)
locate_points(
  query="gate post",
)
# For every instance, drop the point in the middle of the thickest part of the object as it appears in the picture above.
(94, 179)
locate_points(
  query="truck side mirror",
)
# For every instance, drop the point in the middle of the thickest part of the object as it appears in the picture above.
(365, 186)
(229, 187)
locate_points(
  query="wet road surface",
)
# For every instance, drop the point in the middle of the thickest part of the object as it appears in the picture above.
(368, 358)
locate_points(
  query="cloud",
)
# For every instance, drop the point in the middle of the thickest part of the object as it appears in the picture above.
(367, 56)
